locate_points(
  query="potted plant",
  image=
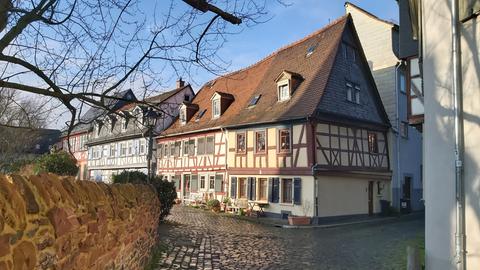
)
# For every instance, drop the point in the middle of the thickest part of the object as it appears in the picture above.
(214, 204)
(225, 203)
(301, 220)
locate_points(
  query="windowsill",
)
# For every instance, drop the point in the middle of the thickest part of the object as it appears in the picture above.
(260, 153)
(241, 153)
(286, 204)
(284, 154)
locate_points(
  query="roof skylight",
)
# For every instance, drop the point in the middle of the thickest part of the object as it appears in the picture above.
(254, 100)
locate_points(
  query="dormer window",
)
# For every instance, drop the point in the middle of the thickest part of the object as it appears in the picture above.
(283, 92)
(216, 108)
(287, 83)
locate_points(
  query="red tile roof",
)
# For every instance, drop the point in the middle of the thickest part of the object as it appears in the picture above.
(259, 79)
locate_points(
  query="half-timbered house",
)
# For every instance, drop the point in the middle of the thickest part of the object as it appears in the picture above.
(118, 141)
(304, 129)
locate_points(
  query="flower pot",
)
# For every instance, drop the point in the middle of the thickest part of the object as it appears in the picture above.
(298, 220)
(216, 209)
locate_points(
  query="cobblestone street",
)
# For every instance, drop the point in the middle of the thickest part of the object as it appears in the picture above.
(198, 239)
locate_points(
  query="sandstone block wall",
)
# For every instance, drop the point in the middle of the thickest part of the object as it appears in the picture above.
(48, 222)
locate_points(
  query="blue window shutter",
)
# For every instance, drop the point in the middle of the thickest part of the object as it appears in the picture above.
(219, 183)
(233, 188)
(270, 189)
(194, 182)
(297, 190)
(254, 188)
(276, 189)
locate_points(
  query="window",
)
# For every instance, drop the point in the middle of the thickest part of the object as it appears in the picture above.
(160, 150)
(310, 50)
(113, 150)
(402, 83)
(166, 150)
(200, 114)
(357, 94)
(216, 108)
(283, 92)
(287, 190)
(404, 129)
(185, 148)
(284, 139)
(123, 149)
(178, 147)
(141, 147)
(130, 148)
(191, 147)
(186, 97)
(202, 182)
(201, 146)
(372, 143)
(241, 143)
(182, 116)
(254, 101)
(105, 151)
(172, 149)
(349, 92)
(260, 145)
(353, 92)
(210, 149)
(124, 124)
(262, 189)
(211, 180)
(242, 192)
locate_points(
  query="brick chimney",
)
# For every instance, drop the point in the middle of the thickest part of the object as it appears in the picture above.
(180, 83)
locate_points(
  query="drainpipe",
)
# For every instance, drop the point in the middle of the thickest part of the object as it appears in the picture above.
(397, 134)
(227, 180)
(457, 96)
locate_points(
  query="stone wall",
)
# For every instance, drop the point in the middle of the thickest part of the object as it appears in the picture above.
(48, 222)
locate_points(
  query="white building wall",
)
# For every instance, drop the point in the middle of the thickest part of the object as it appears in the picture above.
(405, 153)
(438, 134)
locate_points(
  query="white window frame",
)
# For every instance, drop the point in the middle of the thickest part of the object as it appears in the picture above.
(255, 141)
(283, 91)
(210, 182)
(216, 108)
(183, 115)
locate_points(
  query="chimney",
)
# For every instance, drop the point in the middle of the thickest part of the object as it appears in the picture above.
(180, 83)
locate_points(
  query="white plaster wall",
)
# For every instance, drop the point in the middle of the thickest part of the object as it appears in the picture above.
(438, 136)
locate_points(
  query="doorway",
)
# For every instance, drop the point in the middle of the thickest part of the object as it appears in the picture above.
(186, 185)
(370, 198)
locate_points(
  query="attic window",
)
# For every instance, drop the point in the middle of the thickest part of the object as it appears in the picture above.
(183, 115)
(216, 110)
(283, 92)
(254, 100)
(200, 114)
(310, 50)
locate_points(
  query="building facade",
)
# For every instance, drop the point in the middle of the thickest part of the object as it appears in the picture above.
(379, 40)
(432, 31)
(303, 130)
(119, 141)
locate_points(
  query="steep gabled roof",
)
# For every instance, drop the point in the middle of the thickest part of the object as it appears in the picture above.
(310, 59)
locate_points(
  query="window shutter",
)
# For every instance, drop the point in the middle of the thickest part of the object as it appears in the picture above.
(254, 188)
(233, 188)
(194, 182)
(276, 189)
(270, 189)
(249, 188)
(297, 191)
(177, 182)
(219, 183)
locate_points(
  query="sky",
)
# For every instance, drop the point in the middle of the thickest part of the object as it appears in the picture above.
(287, 24)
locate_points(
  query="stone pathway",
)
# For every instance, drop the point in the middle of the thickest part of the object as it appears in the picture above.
(198, 239)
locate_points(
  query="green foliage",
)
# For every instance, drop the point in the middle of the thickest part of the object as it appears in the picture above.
(16, 166)
(166, 193)
(213, 203)
(226, 200)
(134, 177)
(60, 163)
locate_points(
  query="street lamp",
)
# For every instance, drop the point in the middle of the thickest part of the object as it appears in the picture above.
(150, 122)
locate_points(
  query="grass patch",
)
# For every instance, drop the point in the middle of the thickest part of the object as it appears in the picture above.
(156, 256)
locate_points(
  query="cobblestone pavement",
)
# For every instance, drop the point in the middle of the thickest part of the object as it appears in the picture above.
(198, 239)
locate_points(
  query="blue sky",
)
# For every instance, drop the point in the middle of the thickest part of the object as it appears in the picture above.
(289, 24)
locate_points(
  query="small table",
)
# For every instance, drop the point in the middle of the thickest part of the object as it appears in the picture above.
(260, 205)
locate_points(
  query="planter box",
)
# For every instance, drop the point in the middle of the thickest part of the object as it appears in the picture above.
(298, 220)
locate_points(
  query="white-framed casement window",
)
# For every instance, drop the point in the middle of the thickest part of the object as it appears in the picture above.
(372, 143)
(284, 139)
(191, 147)
(216, 110)
(172, 149)
(283, 92)
(286, 190)
(201, 146)
(211, 182)
(183, 115)
(260, 142)
(262, 189)
(178, 147)
(210, 145)
(141, 147)
(349, 87)
(353, 92)
(123, 149)
(185, 148)
(124, 124)
(242, 188)
(113, 150)
(160, 150)
(202, 182)
(130, 148)
(357, 94)
(166, 150)
(241, 142)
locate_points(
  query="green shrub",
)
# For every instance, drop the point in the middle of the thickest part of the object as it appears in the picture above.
(213, 203)
(134, 177)
(60, 163)
(166, 193)
(227, 201)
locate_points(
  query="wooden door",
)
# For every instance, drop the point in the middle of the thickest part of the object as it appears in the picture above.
(370, 198)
